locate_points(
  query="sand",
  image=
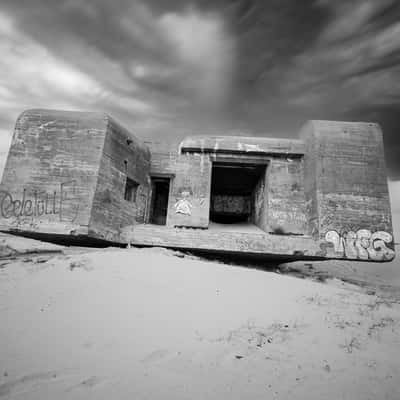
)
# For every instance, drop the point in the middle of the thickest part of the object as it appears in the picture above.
(145, 324)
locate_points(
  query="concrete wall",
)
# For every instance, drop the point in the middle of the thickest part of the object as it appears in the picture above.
(260, 200)
(231, 204)
(242, 145)
(66, 174)
(346, 187)
(123, 156)
(51, 171)
(189, 202)
(281, 204)
(286, 205)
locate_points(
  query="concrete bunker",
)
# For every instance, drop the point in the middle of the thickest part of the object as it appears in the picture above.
(82, 175)
(236, 192)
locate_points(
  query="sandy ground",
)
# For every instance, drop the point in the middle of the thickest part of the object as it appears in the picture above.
(144, 324)
(380, 278)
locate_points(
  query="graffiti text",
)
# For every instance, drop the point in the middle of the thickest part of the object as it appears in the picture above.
(38, 203)
(362, 244)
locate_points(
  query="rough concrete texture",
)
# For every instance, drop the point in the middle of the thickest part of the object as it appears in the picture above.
(231, 204)
(229, 241)
(286, 199)
(350, 178)
(189, 203)
(323, 195)
(346, 188)
(66, 173)
(51, 171)
(241, 144)
(123, 157)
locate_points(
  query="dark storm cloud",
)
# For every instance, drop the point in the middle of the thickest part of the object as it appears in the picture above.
(170, 68)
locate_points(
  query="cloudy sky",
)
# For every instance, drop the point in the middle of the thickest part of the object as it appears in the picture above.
(169, 68)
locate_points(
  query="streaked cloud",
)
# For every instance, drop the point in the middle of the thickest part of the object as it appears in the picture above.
(352, 64)
(206, 52)
(166, 69)
(30, 75)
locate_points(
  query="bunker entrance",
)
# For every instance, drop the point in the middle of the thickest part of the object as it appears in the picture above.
(238, 194)
(159, 200)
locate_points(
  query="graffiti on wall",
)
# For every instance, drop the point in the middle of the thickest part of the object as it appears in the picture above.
(183, 205)
(362, 245)
(33, 204)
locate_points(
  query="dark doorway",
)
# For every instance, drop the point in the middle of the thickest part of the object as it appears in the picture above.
(159, 200)
(237, 194)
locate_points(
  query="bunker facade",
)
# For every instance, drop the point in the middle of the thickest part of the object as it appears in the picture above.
(82, 175)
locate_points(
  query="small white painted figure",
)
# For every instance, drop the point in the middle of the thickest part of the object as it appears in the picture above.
(184, 206)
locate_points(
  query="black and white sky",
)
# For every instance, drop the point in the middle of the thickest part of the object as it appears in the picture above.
(170, 68)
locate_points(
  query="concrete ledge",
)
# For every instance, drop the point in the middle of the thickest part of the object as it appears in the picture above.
(300, 247)
(240, 144)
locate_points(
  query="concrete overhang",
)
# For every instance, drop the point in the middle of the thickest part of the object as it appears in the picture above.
(242, 145)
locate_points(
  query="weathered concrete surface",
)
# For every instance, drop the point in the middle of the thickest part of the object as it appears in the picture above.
(51, 172)
(285, 195)
(260, 198)
(282, 206)
(241, 144)
(225, 241)
(189, 203)
(233, 204)
(324, 195)
(66, 173)
(346, 187)
(347, 166)
(123, 156)
(190, 174)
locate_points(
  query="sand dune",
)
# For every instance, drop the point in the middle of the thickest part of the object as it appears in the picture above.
(144, 324)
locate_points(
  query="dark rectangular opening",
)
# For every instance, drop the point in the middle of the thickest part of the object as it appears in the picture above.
(159, 200)
(238, 194)
(130, 190)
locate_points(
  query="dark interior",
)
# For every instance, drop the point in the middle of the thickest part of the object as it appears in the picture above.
(232, 192)
(131, 188)
(159, 202)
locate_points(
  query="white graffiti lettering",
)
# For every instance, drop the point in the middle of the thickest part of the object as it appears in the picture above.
(362, 245)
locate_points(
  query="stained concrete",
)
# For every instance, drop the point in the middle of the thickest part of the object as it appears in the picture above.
(322, 195)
